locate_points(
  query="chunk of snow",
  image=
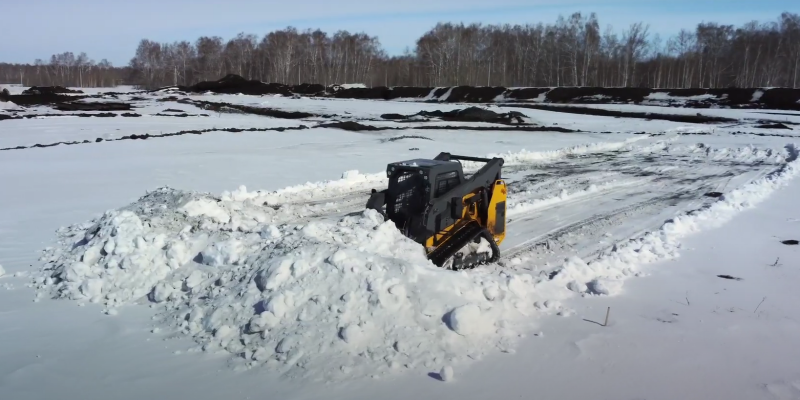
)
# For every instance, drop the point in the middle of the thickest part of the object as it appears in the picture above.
(223, 253)
(2, 271)
(446, 373)
(467, 320)
(207, 208)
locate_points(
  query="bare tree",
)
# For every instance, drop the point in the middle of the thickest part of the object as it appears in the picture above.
(571, 51)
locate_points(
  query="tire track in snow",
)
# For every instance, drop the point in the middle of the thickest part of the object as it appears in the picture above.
(587, 224)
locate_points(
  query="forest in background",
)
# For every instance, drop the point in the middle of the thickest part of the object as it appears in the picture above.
(573, 51)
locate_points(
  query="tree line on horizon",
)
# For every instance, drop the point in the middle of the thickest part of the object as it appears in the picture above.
(573, 51)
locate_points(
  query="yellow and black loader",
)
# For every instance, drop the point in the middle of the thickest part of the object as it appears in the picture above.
(460, 221)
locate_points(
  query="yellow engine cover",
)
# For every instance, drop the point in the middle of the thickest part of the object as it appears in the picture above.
(495, 223)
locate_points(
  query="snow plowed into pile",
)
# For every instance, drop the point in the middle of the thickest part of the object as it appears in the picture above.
(327, 299)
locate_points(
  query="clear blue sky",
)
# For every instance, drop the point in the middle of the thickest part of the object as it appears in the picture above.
(112, 29)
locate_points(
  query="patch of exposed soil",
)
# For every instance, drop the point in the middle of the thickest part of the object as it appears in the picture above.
(266, 112)
(50, 90)
(470, 114)
(233, 84)
(92, 106)
(41, 99)
(523, 128)
(694, 119)
(350, 126)
(149, 136)
(776, 125)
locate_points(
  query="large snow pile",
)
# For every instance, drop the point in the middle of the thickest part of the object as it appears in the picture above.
(326, 299)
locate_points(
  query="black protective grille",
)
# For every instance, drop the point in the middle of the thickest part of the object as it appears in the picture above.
(406, 195)
(404, 200)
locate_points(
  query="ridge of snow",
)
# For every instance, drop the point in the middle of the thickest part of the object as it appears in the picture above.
(524, 156)
(606, 274)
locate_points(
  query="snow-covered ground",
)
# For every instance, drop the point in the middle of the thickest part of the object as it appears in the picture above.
(286, 288)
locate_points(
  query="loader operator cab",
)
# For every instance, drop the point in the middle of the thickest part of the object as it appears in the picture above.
(460, 220)
(413, 183)
(439, 184)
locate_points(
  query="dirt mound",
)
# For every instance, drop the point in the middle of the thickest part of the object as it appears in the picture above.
(92, 106)
(470, 114)
(373, 93)
(775, 125)
(41, 99)
(773, 98)
(472, 94)
(409, 92)
(50, 90)
(778, 98)
(238, 108)
(526, 93)
(596, 95)
(350, 126)
(234, 84)
(515, 128)
(308, 89)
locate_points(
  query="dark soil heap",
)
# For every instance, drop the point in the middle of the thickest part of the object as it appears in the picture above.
(50, 90)
(235, 84)
(773, 98)
(470, 114)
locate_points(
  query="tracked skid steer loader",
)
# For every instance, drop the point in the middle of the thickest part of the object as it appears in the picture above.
(460, 221)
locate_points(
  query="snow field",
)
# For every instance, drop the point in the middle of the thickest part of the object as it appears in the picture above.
(283, 280)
